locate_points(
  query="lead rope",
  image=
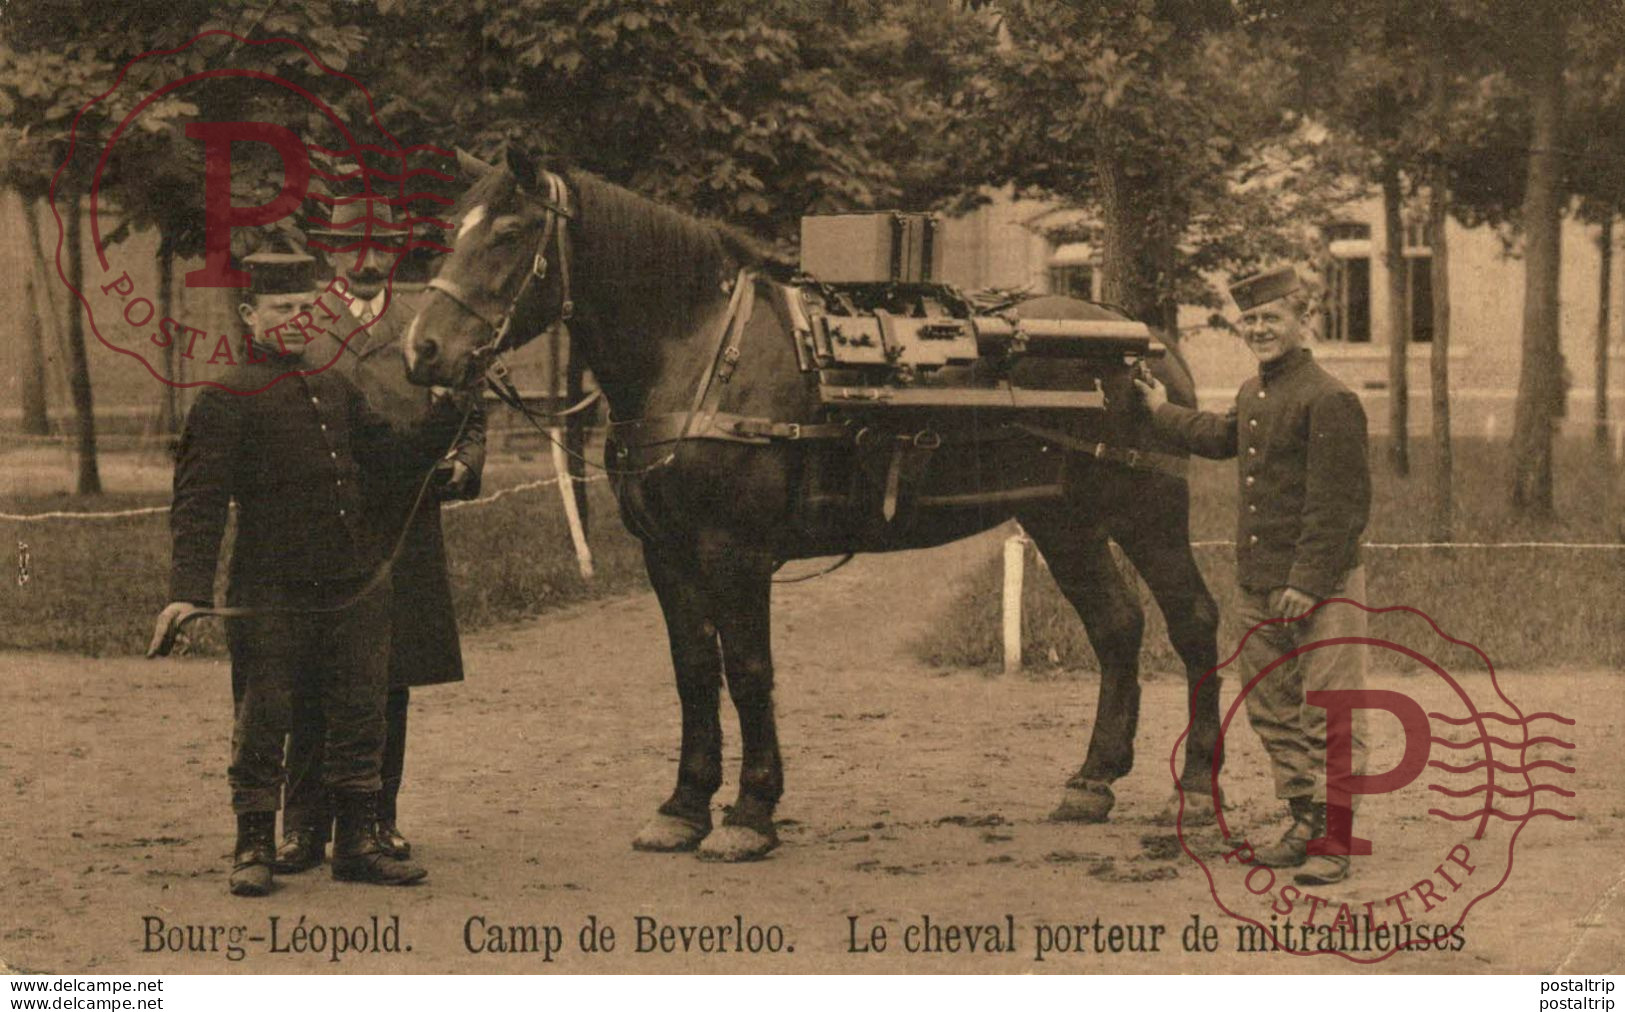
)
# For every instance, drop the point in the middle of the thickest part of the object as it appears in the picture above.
(164, 641)
(509, 395)
(843, 560)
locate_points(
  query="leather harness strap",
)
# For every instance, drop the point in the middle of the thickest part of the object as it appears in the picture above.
(703, 420)
(721, 425)
(1144, 460)
(709, 391)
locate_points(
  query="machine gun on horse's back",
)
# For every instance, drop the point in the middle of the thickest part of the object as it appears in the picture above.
(851, 408)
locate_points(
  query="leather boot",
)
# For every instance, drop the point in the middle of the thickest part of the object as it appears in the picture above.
(389, 835)
(1293, 846)
(254, 854)
(1322, 869)
(305, 834)
(301, 849)
(357, 855)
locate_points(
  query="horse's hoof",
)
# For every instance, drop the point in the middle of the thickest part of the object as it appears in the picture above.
(1091, 801)
(1199, 810)
(667, 833)
(736, 843)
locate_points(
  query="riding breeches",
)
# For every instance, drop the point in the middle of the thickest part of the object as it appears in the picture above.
(305, 801)
(1294, 732)
(340, 658)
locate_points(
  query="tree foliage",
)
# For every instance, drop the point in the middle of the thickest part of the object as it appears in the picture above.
(1165, 118)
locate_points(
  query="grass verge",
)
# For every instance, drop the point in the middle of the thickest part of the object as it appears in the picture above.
(1524, 607)
(94, 587)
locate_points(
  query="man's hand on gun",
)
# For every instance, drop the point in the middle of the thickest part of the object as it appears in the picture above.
(1155, 394)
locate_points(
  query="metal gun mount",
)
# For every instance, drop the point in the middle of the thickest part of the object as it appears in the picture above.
(920, 345)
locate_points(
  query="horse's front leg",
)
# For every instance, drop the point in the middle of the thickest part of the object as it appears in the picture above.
(740, 579)
(685, 819)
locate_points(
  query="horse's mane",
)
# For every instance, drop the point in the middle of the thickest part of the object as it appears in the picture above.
(646, 265)
(637, 243)
(654, 267)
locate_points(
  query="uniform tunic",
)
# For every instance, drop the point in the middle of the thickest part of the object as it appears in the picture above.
(288, 456)
(1304, 495)
(291, 457)
(426, 649)
(1304, 489)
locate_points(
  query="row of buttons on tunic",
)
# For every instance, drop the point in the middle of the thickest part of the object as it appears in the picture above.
(339, 482)
(1252, 451)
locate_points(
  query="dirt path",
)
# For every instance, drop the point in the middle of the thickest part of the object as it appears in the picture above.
(910, 792)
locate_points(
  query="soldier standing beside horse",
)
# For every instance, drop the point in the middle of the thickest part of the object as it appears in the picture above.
(289, 448)
(1305, 495)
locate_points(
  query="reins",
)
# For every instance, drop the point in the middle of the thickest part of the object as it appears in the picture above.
(376, 580)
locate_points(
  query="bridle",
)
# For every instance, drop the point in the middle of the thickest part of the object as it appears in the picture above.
(484, 359)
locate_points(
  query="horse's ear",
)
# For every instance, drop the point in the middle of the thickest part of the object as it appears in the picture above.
(522, 165)
(472, 167)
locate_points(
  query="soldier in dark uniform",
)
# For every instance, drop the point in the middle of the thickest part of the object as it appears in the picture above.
(430, 431)
(305, 558)
(1304, 497)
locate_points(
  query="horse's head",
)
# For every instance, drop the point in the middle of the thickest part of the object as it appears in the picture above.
(506, 280)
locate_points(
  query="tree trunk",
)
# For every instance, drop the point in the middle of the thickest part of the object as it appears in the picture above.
(90, 480)
(1539, 377)
(1130, 253)
(1605, 295)
(35, 421)
(1443, 521)
(1393, 256)
(169, 408)
(36, 416)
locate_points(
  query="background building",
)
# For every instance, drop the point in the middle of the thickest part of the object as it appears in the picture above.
(1006, 244)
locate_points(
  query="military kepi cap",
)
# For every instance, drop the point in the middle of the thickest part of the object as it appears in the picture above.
(1252, 292)
(280, 273)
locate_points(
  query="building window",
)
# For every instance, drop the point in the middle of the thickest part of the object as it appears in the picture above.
(1419, 282)
(1348, 231)
(1073, 266)
(1419, 296)
(1077, 280)
(1348, 283)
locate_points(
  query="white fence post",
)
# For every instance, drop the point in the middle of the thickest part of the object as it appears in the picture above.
(1015, 559)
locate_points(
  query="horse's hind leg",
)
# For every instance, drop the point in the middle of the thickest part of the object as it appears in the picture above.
(1162, 554)
(1081, 562)
(740, 580)
(685, 819)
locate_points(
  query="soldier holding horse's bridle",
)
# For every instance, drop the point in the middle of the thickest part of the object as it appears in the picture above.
(297, 457)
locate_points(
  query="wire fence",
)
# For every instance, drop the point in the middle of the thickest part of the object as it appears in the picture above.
(144, 511)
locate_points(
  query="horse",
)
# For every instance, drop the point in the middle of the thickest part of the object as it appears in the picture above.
(646, 290)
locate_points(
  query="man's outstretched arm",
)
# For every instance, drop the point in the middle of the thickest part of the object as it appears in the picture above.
(1203, 433)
